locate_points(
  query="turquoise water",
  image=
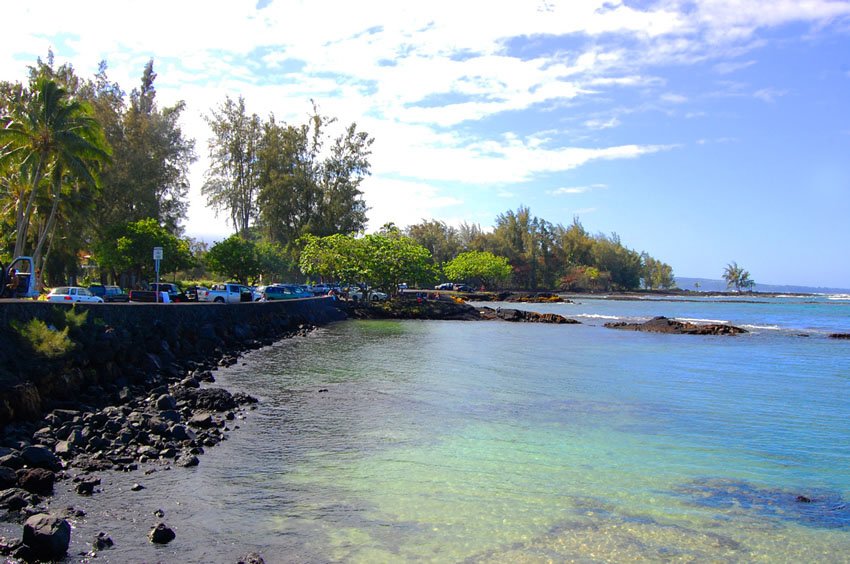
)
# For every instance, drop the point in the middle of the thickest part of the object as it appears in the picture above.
(389, 441)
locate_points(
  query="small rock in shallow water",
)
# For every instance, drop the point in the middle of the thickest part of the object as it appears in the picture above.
(161, 534)
(137, 487)
(251, 558)
(102, 541)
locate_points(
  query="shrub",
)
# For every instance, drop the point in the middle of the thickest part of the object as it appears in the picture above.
(42, 339)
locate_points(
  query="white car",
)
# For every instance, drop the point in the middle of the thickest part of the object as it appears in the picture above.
(71, 294)
(374, 295)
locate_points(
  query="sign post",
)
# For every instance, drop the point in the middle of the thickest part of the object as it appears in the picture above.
(157, 256)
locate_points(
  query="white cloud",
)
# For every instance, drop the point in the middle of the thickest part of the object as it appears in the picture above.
(394, 67)
(769, 95)
(576, 189)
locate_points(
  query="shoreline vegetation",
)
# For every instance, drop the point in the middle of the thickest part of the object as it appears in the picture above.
(162, 411)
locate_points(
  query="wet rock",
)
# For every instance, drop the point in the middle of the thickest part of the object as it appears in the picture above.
(251, 558)
(102, 541)
(47, 537)
(38, 456)
(839, 336)
(161, 534)
(86, 485)
(202, 421)
(136, 487)
(662, 324)
(36, 480)
(520, 315)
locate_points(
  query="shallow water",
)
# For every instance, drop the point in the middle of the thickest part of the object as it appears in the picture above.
(387, 441)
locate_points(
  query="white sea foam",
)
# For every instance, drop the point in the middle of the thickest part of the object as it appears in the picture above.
(597, 316)
(762, 327)
(701, 321)
(838, 297)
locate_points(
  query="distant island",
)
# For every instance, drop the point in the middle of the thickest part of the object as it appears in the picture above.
(710, 285)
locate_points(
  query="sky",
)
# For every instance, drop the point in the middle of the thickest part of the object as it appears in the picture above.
(701, 132)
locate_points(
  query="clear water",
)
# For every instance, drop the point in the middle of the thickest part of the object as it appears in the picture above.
(498, 442)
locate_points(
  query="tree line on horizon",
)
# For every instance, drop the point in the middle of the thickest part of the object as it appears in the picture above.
(93, 178)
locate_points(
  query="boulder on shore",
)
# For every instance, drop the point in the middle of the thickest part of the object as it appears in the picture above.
(46, 537)
(662, 324)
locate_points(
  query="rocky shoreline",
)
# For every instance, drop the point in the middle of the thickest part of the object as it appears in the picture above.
(134, 389)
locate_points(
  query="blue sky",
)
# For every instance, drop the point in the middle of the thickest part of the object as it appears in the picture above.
(702, 132)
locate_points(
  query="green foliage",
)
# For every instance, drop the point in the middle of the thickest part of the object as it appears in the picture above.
(235, 258)
(333, 258)
(656, 274)
(43, 340)
(382, 260)
(441, 240)
(480, 268)
(75, 320)
(307, 187)
(129, 248)
(393, 258)
(737, 277)
(55, 148)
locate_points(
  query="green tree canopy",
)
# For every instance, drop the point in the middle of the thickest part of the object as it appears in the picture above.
(478, 267)
(129, 249)
(235, 258)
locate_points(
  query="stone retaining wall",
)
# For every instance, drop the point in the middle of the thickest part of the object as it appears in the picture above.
(124, 344)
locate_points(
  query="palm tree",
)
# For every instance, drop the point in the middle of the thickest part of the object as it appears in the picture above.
(737, 277)
(53, 141)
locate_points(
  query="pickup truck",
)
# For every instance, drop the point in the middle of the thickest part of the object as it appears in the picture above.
(17, 280)
(227, 293)
(150, 295)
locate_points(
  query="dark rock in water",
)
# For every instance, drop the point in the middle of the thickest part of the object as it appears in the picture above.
(37, 456)
(102, 541)
(161, 534)
(136, 487)
(821, 509)
(202, 421)
(839, 336)
(521, 315)
(662, 324)
(251, 558)
(159, 513)
(36, 480)
(209, 399)
(47, 537)
(86, 485)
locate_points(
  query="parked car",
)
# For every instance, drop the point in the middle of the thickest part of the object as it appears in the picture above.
(192, 292)
(72, 294)
(445, 286)
(109, 293)
(463, 288)
(154, 293)
(357, 294)
(228, 293)
(285, 292)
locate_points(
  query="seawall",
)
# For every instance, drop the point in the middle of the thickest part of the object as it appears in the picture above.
(116, 348)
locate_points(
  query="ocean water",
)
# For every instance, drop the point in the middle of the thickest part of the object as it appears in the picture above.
(412, 441)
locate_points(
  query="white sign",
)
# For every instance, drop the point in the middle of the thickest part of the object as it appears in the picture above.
(157, 253)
